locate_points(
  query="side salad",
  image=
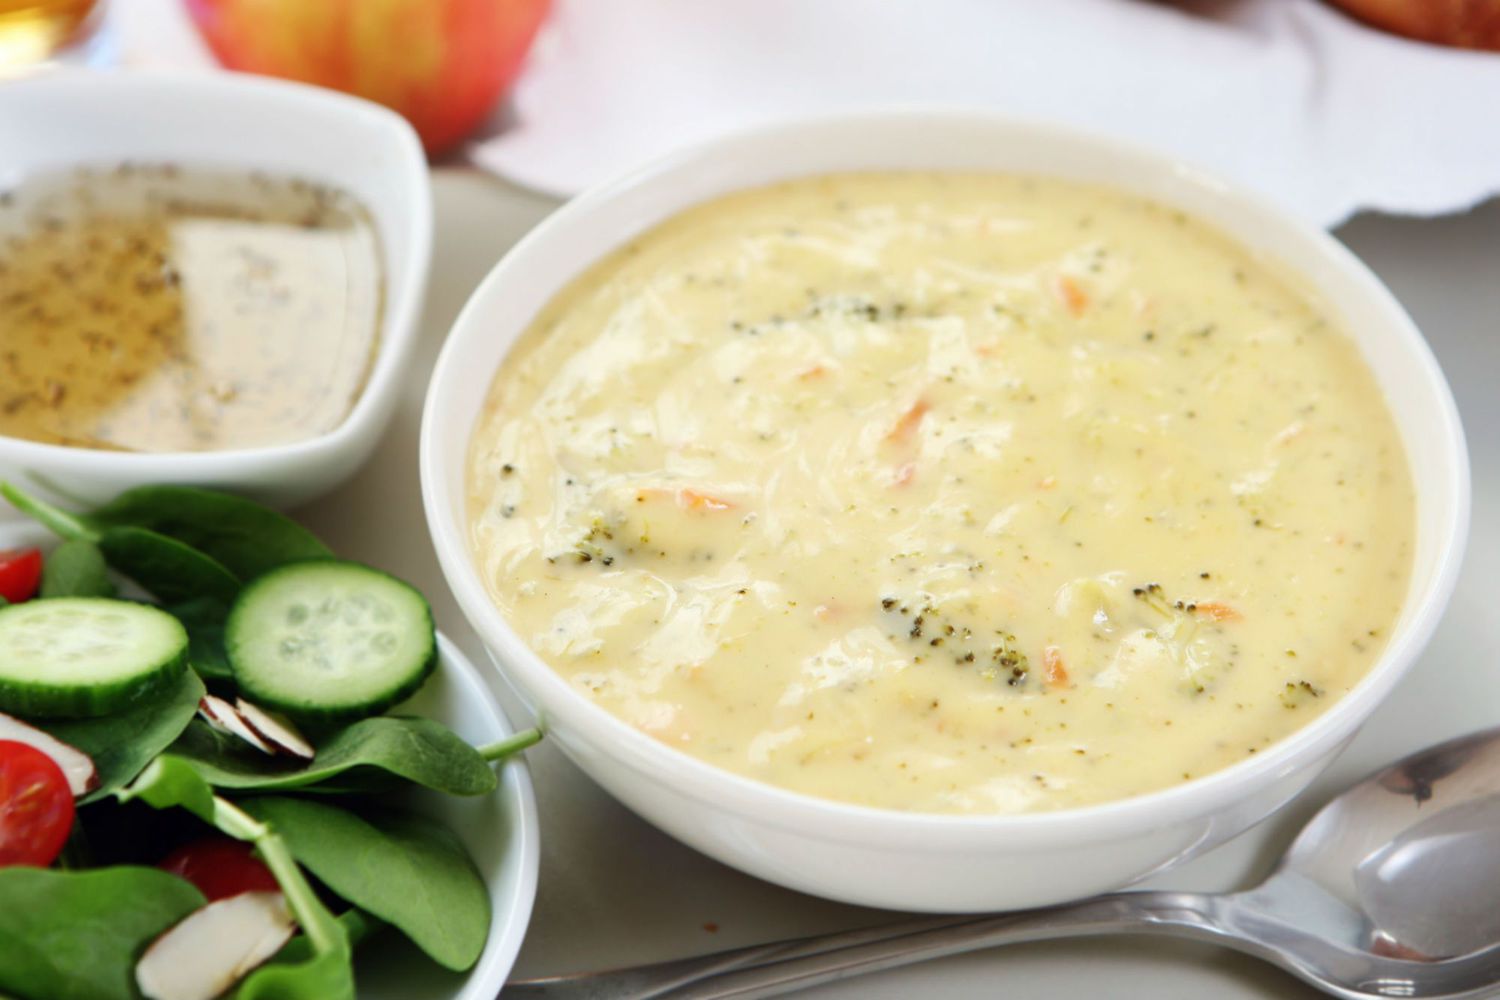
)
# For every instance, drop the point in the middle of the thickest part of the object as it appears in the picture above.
(192, 780)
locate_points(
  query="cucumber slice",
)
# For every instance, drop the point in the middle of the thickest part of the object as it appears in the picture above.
(69, 657)
(329, 640)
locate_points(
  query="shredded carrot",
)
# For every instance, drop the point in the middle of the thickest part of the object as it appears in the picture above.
(826, 612)
(816, 371)
(691, 499)
(987, 350)
(905, 473)
(687, 498)
(1046, 482)
(906, 425)
(1056, 672)
(1216, 611)
(1074, 297)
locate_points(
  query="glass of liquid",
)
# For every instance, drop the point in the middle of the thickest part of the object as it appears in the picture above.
(36, 32)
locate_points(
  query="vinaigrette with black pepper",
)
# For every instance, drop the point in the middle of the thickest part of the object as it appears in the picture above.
(163, 309)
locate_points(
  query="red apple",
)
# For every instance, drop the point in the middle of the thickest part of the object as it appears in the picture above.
(1470, 24)
(441, 63)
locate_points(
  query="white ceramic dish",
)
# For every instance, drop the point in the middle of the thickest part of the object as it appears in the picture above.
(499, 830)
(57, 120)
(915, 861)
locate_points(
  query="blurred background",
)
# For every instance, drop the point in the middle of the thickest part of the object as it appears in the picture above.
(1330, 106)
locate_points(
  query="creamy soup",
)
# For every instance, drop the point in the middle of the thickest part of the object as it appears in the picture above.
(943, 492)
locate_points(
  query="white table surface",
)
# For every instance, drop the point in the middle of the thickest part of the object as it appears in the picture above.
(615, 891)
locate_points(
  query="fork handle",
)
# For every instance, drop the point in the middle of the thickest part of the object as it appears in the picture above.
(774, 969)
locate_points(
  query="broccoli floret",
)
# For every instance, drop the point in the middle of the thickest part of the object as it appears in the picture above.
(996, 653)
(1197, 642)
(1153, 596)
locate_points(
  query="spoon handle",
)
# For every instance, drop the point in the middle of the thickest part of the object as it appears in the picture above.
(773, 969)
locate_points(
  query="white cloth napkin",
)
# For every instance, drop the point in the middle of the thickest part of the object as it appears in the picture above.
(1286, 96)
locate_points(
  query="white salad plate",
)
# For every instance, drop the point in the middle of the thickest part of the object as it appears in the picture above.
(499, 830)
(928, 861)
(233, 122)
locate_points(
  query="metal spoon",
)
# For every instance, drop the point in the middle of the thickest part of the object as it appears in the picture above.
(1392, 890)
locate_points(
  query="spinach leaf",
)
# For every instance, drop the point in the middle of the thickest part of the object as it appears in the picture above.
(327, 975)
(170, 570)
(76, 568)
(54, 519)
(310, 979)
(163, 565)
(243, 536)
(77, 935)
(405, 868)
(357, 925)
(203, 617)
(358, 757)
(169, 781)
(123, 743)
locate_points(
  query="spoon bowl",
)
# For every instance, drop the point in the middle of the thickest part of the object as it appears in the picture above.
(1389, 891)
(1415, 851)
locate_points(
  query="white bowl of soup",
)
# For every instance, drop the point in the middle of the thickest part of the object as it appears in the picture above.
(939, 512)
(213, 280)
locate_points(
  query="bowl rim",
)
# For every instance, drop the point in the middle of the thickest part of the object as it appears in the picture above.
(489, 972)
(796, 812)
(400, 319)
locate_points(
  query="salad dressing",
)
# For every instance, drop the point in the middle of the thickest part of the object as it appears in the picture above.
(158, 309)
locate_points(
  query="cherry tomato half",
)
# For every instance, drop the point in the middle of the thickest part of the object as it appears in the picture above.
(220, 868)
(36, 806)
(20, 572)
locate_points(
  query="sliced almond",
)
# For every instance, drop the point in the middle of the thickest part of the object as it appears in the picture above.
(213, 948)
(226, 719)
(74, 763)
(275, 730)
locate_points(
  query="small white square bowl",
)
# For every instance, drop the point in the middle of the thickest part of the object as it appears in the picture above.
(232, 122)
